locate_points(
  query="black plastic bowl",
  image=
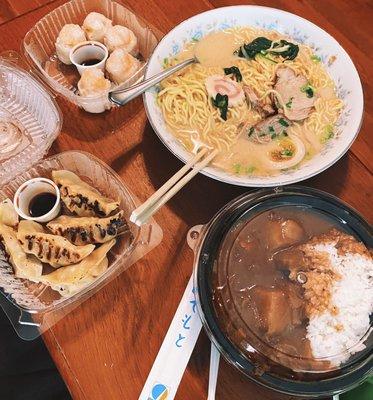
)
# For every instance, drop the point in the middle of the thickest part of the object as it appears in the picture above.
(244, 208)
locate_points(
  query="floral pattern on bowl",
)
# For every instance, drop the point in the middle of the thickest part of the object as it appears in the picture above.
(342, 70)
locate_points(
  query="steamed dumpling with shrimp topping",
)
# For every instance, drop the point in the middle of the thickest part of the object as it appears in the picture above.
(80, 198)
(84, 230)
(121, 65)
(219, 84)
(120, 37)
(95, 26)
(72, 278)
(25, 266)
(69, 36)
(52, 249)
(93, 83)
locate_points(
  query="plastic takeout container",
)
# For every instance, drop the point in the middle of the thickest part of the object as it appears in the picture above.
(230, 334)
(33, 308)
(39, 48)
(38, 306)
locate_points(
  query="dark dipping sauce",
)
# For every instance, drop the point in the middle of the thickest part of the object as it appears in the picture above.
(41, 204)
(92, 61)
(259, 308)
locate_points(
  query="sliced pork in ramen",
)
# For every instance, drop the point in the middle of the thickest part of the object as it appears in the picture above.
(268, 129)
(257, 104)
(297, 95)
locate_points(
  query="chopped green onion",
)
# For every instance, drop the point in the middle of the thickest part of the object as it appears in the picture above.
(329, 134)
(286, 153)
(271, 128)
(315, 58)
(273, 136)
(283, 122)
(251, 131)
(250, 170)
(289, 103)
(308, 89)
(237, 168)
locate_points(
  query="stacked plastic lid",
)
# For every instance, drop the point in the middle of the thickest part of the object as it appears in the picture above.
(30, 120)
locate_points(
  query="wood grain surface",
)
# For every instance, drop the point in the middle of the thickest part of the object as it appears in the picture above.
(106, 347)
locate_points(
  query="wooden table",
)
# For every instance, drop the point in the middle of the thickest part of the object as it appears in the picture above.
(106, 347)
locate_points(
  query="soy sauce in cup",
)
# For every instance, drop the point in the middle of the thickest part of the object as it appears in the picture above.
(41, 204)
(38, 199)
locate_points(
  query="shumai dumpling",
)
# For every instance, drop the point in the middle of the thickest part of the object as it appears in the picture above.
(93, 83)
(69, 36)
(95, 26)
(52, 249)
(80, 198)
(68, 280)
(121, 65)
(120, 37)
(84, 230)
(8, 214)
(25, 266)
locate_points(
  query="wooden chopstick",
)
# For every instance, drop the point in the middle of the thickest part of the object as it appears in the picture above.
(171, 187)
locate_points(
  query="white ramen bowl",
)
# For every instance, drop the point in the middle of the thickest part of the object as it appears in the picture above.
(342, 71)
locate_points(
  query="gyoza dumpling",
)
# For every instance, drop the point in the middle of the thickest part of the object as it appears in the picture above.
(119, 36)
(95, 26)
(69, 36)
(68, 279)
(8, 214)
(25, 266)
(81, 198)
(48, 248)
(93, 83)
(70, 289)
(121, 66)
(84, 230)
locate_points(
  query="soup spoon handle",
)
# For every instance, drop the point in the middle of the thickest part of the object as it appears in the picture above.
(123, 96)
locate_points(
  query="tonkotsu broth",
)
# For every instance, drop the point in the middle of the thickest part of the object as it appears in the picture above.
(190, 114)
(246, 269)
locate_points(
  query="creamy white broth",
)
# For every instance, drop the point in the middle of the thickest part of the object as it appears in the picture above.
(190, 114)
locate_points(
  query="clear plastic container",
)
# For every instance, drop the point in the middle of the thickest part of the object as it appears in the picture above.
(234, 338)
(37, 307)
(33, 308)
(37, 122)
(39, 47)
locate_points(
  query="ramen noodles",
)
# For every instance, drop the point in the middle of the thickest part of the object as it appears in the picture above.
(265, 102)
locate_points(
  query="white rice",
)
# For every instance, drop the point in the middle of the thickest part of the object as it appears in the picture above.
(353, 296)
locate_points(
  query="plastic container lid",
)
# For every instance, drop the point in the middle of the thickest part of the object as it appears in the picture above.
(34, 117)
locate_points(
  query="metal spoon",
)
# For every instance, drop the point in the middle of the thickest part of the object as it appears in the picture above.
(123, 96)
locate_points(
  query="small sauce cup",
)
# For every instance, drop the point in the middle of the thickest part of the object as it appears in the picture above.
(89, 54)
(28, 191)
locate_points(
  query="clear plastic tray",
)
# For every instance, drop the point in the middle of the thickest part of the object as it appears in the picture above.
(38, 306)
(39, 47)
(39, 122)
